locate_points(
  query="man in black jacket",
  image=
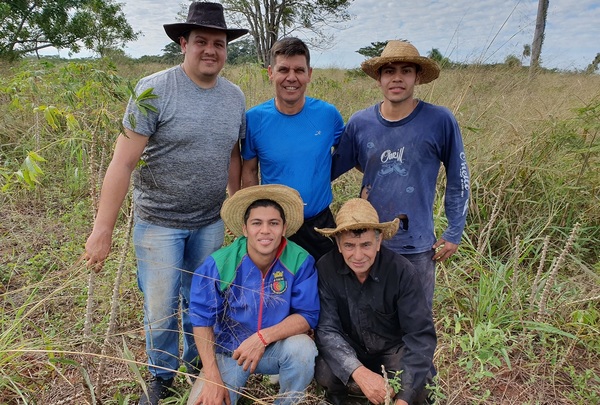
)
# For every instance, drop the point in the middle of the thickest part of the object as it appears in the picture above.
(373, 314)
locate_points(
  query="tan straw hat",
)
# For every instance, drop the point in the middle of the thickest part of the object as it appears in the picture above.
(401, 51)
(358, 213)
(289, 199)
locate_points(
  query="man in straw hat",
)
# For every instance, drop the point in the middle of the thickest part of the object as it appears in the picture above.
(290, 137)
(373, 314)
(253, 301)
(188, 139)
(399, 144)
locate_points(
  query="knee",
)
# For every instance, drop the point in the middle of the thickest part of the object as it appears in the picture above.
(301, 349)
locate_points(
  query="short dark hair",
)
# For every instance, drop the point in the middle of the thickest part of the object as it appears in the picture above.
(418, 68)
(186, 36)
(289, 46)
(264, 203)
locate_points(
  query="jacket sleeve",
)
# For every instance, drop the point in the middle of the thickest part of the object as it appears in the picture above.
(205, 299)
(305, 296)
(456, 201)
(335, 350)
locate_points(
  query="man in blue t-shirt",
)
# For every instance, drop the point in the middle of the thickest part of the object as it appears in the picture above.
(291, 137)
(399, 144)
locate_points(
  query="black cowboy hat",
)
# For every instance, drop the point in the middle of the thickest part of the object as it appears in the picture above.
(203, 15)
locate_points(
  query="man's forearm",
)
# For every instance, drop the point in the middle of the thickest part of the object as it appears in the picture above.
(294, 324)
(205, 343)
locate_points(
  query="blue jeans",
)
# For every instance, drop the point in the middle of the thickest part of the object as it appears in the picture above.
(166, 260)
(425, 267)
(292, 358)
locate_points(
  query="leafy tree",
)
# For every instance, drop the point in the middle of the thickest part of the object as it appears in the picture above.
(241, 51)
(512, 61)
(437, 56)
(172, 53)
(30, 25)
(374, 50)
(592, 67)
(270, 20)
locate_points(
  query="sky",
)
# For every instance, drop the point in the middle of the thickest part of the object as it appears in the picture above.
(467, 31)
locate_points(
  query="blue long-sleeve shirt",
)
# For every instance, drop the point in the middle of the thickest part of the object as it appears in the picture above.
(401, 162)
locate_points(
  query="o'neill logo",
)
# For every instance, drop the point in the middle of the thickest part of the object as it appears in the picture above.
(392, 155)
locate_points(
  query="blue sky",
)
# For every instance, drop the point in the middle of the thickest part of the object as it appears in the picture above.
(463, 30)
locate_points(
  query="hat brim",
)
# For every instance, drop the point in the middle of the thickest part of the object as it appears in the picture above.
(235, 207)
(430, 70)
(177, 30)
(388, 229)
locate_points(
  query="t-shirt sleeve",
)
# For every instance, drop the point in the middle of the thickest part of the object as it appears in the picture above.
(143, 117)
(248, 147)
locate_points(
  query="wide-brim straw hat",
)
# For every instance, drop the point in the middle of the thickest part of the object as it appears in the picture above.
(358, 213)
(402, 51)
(235, 207)
(203, 15)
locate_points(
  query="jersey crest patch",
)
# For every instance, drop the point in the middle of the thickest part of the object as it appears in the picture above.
(279, 285)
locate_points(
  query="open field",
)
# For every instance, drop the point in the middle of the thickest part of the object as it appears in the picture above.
(516, 309)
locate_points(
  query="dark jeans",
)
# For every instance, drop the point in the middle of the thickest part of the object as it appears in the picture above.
(425, 267)
(337, 391)
(312, 241)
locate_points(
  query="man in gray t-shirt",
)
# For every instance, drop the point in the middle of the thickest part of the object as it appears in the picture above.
(188, 145)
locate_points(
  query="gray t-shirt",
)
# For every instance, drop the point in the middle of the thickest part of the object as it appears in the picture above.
(182, 178)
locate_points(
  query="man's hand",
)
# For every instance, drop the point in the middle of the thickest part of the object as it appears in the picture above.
(213, 392)
(443, 250)
(249, 353)
(97, 249)
(371, 384)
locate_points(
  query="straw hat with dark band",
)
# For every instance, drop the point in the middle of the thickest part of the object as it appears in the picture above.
(358, 213)
(203, 15)
(401, 51)
(289, 199)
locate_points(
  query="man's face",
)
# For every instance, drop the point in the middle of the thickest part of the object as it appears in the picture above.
(205, 54)
(397, 81)
(264, 230)
(359, 251)
(290, 75)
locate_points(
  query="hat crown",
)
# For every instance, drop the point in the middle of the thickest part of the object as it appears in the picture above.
(400, 49)
(356, 211)
(210, 14)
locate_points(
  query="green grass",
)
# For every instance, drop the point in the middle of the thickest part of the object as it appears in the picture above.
(516, 309)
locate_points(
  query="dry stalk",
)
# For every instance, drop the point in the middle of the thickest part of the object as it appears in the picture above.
(388, 397)
(87, 326)
(554, 271)
(484, 236)
(538, 275)
(515, 266)
(584, 300)
(114, 302)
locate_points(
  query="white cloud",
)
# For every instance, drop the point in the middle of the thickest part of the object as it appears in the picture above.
(463, 30)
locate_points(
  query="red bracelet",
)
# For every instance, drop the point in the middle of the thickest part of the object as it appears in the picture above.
(262, 339)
